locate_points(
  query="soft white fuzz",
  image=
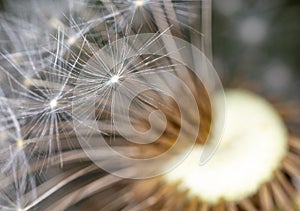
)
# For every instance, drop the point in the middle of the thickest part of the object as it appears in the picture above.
(253, 144)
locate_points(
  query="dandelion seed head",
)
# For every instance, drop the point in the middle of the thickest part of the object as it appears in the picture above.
(27, 82)
(139, 3)
(20, 143)
(114, 79)
(55, 23)
(247, 156)
(53, 103)
(71, 40)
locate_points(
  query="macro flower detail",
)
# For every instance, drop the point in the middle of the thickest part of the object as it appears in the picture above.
(116, 105)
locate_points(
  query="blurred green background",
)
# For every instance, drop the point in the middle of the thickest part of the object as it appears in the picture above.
(260, 39)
